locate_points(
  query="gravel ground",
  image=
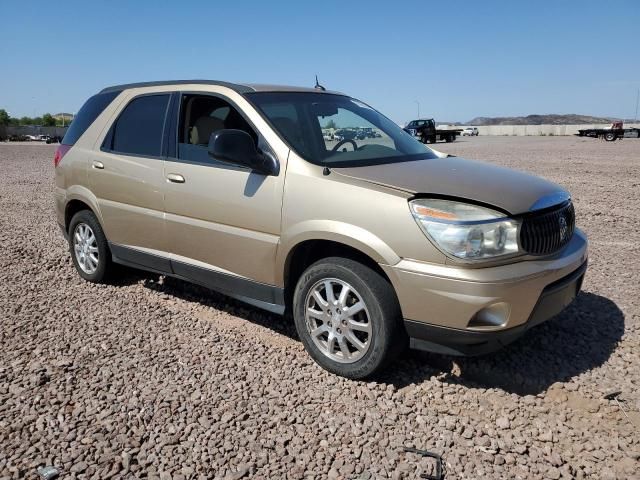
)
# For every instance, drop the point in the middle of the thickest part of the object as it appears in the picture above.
(155, 378)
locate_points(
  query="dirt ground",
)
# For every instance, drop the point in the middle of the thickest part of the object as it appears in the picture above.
(155, 378)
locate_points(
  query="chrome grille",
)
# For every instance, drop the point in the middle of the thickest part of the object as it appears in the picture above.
(547, 232)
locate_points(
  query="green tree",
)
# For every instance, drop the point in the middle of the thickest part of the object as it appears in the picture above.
(4, 117)
(25, 121)
(330, 124)
(48, 120)
(36, 121)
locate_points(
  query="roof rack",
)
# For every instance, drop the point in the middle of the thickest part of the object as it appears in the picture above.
(234, 86)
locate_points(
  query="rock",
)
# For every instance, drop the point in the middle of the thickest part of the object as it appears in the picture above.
(503, 423)
(78, 467)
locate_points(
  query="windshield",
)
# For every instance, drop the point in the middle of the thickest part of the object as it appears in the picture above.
(336, 130)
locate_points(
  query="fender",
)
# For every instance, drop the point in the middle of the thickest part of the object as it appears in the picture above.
(78, 192)
(340, 232)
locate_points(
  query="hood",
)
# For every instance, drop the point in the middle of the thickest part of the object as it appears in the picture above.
(511, 191)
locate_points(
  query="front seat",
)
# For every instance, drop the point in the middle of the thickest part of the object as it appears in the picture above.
(203, 128)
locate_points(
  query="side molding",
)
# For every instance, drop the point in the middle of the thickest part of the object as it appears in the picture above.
(266, 297)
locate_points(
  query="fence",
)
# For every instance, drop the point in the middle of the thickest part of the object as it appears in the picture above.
(6, 131)
(541, 130)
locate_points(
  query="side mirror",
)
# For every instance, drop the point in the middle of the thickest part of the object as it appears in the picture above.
(238, 148)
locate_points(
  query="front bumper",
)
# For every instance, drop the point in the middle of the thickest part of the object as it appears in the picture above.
(552, 301)
(442, 304)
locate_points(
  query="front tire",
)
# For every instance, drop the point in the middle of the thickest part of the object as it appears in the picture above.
(610, 136)
(348, 317)
(89, 248)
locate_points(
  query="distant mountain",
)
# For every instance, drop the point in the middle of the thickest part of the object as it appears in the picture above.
(551, 119)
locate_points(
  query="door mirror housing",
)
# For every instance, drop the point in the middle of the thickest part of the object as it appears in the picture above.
(238, 148)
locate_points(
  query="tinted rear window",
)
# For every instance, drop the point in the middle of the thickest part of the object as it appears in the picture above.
(139, 127)
(87, 114)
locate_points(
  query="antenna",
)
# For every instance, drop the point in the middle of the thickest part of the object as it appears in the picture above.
(318, 86)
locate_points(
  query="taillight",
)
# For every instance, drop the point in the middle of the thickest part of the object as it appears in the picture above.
(60, 152)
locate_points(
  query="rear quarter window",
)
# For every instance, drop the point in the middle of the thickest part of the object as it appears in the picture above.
(87, 115)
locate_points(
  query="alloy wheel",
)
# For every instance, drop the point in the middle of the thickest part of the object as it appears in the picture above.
(85, 247)
(338, 320)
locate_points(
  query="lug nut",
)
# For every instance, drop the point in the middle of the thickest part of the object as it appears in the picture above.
(339, 331)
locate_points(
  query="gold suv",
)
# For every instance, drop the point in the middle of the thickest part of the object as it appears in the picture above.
(312, 202)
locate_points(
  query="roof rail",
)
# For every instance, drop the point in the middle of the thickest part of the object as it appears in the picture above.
(234, 86)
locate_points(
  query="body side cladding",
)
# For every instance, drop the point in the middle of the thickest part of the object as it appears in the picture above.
(266, 297)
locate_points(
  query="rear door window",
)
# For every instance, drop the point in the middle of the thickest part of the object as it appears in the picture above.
(139, 128)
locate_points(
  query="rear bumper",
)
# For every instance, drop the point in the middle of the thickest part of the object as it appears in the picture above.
(554, 298)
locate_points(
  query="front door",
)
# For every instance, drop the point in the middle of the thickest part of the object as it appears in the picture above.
(223, 221)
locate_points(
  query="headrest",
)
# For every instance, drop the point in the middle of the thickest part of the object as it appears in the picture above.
(203, 129)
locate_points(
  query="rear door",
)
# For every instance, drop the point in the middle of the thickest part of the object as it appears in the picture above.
(126, 175)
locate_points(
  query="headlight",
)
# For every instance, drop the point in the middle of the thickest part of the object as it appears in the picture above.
(466, 231)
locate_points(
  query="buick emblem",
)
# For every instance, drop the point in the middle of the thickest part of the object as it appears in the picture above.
(563, 228)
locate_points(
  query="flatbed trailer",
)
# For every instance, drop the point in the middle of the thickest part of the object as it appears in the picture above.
(615, 132)
(425, 130)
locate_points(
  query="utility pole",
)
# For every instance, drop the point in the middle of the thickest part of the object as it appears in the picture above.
(635, 119)
(418, 108)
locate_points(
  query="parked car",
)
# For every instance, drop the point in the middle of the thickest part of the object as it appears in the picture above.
(372, 248)
(327, 136)
(470, 132)
(345, 134)
(18, 138)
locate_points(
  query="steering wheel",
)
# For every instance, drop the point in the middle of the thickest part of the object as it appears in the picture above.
(342, 142)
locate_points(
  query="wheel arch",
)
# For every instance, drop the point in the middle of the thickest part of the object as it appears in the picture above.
(307, 251)
(79, 198)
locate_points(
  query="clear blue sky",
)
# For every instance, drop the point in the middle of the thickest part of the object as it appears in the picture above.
(467, 59)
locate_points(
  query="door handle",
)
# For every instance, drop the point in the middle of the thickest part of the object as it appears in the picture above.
(98, 165)
(175, 178)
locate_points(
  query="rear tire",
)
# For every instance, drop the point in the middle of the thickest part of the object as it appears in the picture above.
(89, 248)
(353, 346)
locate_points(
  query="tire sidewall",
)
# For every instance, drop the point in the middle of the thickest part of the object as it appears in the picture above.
(104, 255)
(380, 337)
